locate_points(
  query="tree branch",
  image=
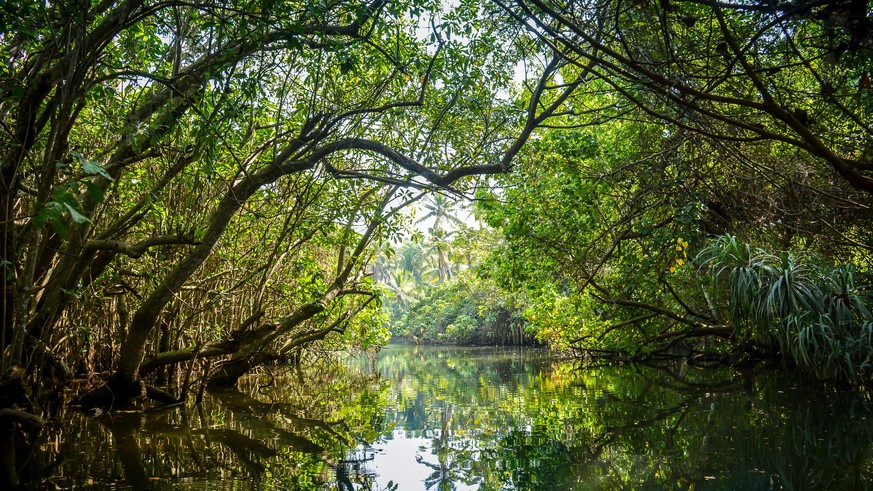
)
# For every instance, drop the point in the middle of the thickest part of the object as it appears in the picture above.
(140, 248)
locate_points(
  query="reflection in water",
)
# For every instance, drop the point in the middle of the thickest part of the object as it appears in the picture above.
(284, 436)
(478, 419)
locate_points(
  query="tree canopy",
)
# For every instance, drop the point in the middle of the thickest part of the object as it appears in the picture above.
(191, 191)
(187, 181)
(796, 73)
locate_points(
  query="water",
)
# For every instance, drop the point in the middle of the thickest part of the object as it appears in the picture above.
(477, 419)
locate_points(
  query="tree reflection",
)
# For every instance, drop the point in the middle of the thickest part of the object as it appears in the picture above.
(278, 437)
(519, 422)
(473, 420)
(451, 454)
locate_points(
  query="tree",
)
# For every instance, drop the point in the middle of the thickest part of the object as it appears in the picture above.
(687, 120)
(440, 209)
(793, 73)
(144, 142)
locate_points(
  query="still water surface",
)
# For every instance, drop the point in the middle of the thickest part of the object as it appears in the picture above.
(478, 419)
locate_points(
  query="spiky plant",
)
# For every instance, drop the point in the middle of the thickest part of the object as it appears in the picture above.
(817, 314)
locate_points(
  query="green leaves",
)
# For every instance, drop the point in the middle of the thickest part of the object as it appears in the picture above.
(75, 215)
(93, 168)
(63, 208)
(817, 313)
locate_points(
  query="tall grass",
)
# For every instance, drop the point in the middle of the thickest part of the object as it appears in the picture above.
(818, 314)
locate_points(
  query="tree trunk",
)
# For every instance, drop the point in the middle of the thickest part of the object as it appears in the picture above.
(230, 372)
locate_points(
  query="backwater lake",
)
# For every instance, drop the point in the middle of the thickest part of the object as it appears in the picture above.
(433, 418)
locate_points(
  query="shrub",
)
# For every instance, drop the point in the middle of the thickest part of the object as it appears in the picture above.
(817, 314)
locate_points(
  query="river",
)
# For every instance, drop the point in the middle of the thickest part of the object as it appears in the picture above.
(424, 418)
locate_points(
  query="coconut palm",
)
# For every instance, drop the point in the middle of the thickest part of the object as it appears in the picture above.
(441, 210)
(411, 258)
(439, 247)
(403, 287)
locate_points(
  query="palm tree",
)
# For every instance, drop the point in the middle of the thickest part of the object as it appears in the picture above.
(411, 258)
(439, 247)
(403, 286)
(441, 210)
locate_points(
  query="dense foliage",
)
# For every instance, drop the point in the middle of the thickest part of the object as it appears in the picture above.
(466, 311)
(191, 191)
(623, 251)
(792, 74)
(693, 120)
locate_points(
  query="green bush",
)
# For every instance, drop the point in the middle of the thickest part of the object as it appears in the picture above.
(817, 314)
